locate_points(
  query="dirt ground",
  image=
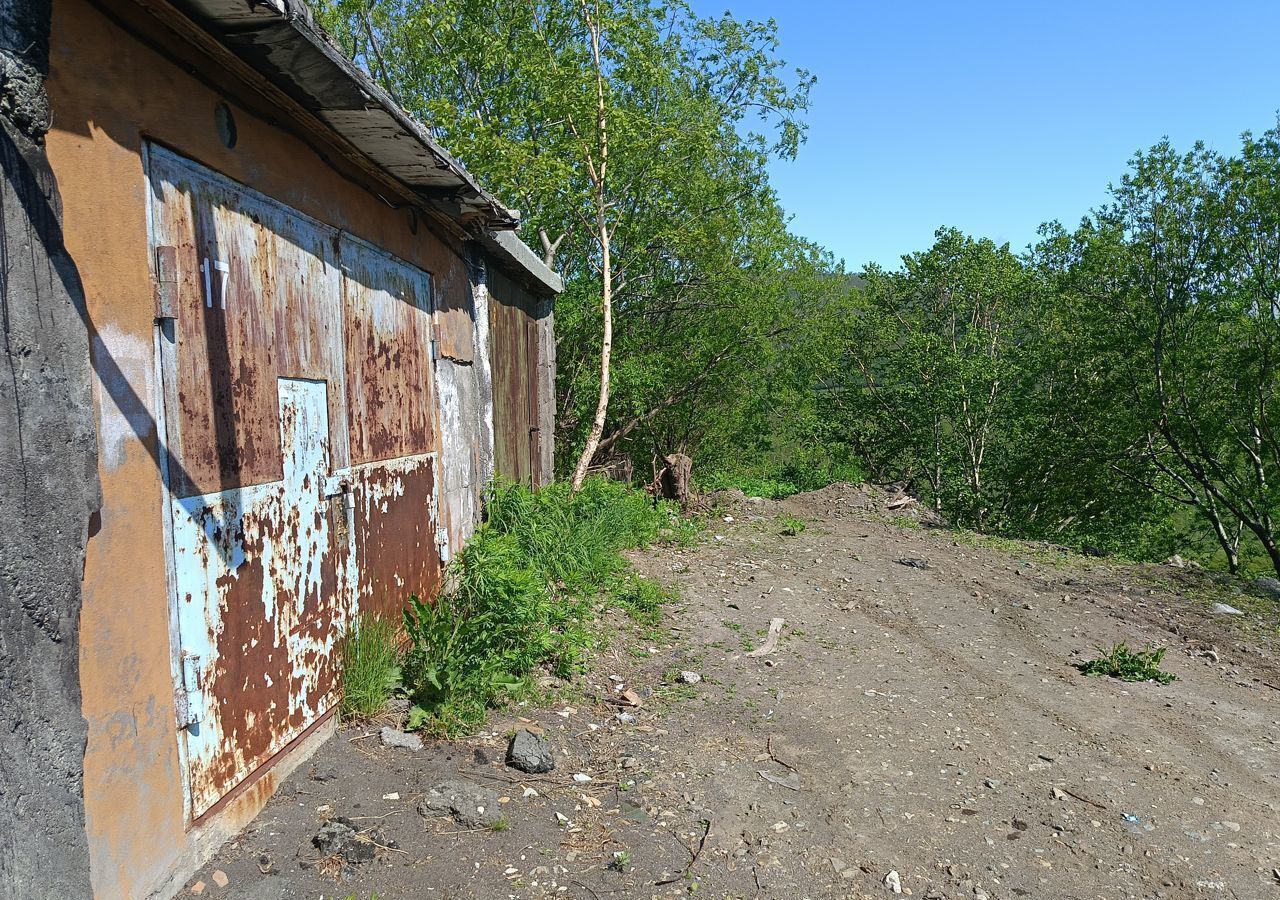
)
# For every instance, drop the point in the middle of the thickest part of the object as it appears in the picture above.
(926, 722)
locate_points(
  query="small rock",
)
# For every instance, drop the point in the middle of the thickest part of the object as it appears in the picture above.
(893, 882)
(470, 805)
(198, 887)
(530, 753)
(993, 783)
(339, 837)
(837, 865)
(393, 737)
(690, 678)
(914, 562)
(1223, 609)
(1058, 794)
(220, 878)
(626, 718)
(581, 778)
(562, 819)
(324, 771)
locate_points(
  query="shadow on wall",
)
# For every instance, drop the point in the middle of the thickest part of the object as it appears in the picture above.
(49, 494)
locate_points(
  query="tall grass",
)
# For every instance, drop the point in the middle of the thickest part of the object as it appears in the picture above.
(521, 594)
(370, 660)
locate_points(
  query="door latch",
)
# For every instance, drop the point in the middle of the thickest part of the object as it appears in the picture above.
(190, 697)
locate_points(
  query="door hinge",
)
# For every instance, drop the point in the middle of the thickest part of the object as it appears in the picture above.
(189, 696)
(166, 283)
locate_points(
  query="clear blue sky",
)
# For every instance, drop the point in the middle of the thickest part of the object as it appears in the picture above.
(996, 116)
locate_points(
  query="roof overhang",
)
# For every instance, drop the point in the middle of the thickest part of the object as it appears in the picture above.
(281, 41)
(515, 254)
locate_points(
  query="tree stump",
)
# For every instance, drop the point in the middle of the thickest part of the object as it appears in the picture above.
(673, 478)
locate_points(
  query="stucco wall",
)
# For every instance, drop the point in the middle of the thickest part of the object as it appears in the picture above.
(107, 91)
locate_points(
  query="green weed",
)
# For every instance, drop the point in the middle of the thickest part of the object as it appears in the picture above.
(641, 598)
(370, 660)
(789, 526)
(521, 596)
(1129, 665)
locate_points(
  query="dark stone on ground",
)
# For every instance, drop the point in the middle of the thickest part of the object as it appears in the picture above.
(1265, 587)
(530, 753)
(340, 837)
(914, 563)
(481, 758)
(471, 805)
(324, 771)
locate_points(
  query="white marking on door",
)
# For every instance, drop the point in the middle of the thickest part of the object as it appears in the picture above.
(208, 267)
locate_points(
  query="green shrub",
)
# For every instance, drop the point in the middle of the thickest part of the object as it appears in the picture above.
(370, 660)
(520, 593)
(1120, 662)
(778, 482)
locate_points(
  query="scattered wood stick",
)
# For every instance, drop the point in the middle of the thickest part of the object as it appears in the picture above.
(768, 746)
(771, 642)
(1082, 799)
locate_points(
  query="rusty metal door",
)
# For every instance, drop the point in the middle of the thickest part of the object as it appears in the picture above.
(262, 561)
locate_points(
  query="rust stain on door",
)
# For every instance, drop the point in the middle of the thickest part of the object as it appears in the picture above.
(293, 353)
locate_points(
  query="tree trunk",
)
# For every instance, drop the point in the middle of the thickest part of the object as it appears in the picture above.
(599, 177)
(606, 353)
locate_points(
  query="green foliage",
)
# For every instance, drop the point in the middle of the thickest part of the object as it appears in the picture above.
(803, 471)
(1120, 662)
(711, 291)
(641, 598)
(750, 485)
(790, 526)
(520, 595)
(370, 661)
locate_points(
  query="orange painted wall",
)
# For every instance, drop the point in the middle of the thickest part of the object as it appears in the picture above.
(108, 90)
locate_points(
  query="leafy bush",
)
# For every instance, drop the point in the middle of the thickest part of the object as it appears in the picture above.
(1129, 665)
(519, 595)
(776, 483)
(370, 660)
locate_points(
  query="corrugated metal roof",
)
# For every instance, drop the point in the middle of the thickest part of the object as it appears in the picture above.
(281, 40)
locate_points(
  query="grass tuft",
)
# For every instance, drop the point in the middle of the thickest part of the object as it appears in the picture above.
(789, 525)
(1120, 662)
(370, 660)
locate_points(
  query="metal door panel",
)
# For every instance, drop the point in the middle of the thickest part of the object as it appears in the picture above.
(273, 364)
(256, 575)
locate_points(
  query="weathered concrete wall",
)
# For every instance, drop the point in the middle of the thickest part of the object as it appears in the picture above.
(48, 490)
